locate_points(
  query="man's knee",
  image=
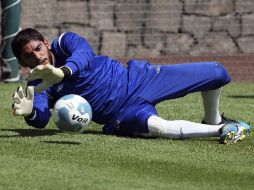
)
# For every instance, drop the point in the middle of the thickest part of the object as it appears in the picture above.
(222, 76)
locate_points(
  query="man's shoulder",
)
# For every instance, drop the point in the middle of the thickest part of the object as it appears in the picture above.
(65, 35)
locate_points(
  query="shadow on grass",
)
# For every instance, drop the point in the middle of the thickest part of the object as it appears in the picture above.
(93, 132)
(51, 132)
(29, 132)
(63, 142)
(39, 132)
(241, 96)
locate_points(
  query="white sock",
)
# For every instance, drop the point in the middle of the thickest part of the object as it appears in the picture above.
(179, 129)
(211, 102)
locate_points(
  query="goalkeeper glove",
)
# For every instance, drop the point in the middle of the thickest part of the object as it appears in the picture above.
(49, 74)
(23, 103)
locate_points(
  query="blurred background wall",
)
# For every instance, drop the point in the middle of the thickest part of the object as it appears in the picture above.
(161, 30)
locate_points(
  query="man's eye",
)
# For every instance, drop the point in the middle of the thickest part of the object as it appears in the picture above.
(38, 49)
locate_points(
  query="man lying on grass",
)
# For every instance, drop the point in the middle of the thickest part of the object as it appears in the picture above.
(122, 98)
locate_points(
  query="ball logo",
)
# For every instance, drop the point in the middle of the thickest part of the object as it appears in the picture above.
(70, 106)
(82, 110)
(79, 119)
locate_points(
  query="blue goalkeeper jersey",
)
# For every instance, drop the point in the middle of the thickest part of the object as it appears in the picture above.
(119, 94)
(99, 79)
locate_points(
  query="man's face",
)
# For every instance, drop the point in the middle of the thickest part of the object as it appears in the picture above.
(36, 53)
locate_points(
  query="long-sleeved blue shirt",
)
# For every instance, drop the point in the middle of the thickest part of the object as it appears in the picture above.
(99, 79)
(113, 90)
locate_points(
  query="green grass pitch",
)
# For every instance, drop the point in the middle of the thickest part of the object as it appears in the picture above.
(49, 159)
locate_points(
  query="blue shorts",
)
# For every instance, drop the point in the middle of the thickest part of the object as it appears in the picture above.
(150, 84)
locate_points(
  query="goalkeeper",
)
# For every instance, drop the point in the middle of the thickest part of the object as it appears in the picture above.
(122, 98)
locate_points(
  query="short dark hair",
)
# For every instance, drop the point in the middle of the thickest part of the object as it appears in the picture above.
(22, 38)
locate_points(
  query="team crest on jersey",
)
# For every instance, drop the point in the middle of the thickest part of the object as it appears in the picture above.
(60, 87)
(157, 68)
(118, 122)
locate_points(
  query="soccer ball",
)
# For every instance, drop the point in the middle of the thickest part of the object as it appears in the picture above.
(72, 113)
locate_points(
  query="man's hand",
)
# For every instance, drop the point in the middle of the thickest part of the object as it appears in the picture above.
(49, 74)
(23, 103)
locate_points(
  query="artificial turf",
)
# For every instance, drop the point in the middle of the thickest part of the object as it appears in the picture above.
(50, 159)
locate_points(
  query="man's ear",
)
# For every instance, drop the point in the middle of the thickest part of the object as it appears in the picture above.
(46, 42)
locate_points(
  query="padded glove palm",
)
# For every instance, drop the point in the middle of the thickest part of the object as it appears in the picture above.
(23, 102)
(49, 74)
